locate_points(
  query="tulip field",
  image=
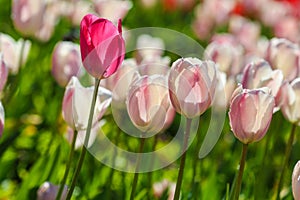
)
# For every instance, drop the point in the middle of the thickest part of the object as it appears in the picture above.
(149, 99)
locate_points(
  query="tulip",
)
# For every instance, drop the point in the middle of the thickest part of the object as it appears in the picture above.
(75, 97)
(27, 15)
(259, 74)
(2, 117)
(3, 73)
(250, 113)
(65, 62)
(290, 101)
(75, 10)
(48, 191)
(192, 84)
(14, 53)
(288, 27)
(148, 103)
(284, 55)
(102, 46)
(296, 181)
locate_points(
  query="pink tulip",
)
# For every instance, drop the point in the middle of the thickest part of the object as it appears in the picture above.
(3, 73)
(75, 10)
(290, 101)
(296, 181)
(148, 103)
(11, 51)
(284, 55)
(2, 118)
(159, 188)
(27, 15)
(102, 46)
(76, 97)
(48, 191)
(259, 74)
(250, 113)
(65, 62)
(192, 84)
(288, 27)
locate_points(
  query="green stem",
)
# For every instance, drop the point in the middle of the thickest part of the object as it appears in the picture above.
(136, 174)
(182, 161)
(287, 154)
(63, 182)
(240, 173)
(150, 174)
(86, 140)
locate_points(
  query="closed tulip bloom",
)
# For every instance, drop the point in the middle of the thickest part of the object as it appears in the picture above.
(192, 85)
(102, 46)
(148, 103)
(27, 15)
(290, 101)
(48, 191)
(3, 73)
(296, 181)
(2, 117)
(259, 74)
(65, 62)
(250, 113)
(76, 97)
(284, 55)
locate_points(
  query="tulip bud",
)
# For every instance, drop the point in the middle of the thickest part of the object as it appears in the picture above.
(65, 62)
(102, 46)
(192, 84)
(296, 181)
(3, 73)
(48, 191)
(148, 103)
(290, 101)
(250, 113)
(76, 98)
(2, 117)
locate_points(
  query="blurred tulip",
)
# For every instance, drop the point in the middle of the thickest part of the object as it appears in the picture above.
(192, 84)
(102, 46)
(159, 188)
(226, 52)
(48, 191)
(288, 27)
(148, 103)
(156, 65)
(250, 113)
(75, 97)
(2, 119)
(284, 55)
(290, 101)
(14, 51)
(259, 74)
(27, 15)
(182, 5)
(65, 62)
(296, 181)
(75, 10)
(3, 73)
(112, 9)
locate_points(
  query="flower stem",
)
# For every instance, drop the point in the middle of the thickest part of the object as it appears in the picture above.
(136, 174)
(287, 154)
(182, 161)
(86, 140)
(240, 173)
(63, 182)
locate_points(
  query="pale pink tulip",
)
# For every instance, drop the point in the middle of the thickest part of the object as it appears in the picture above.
(3, 73)
(290, 101)
(296, 181)
(148, 103)
(76, 98)
(27, 15)
(192, 84)
(159, 188)
(250, 113)
(289, 28)
(284, 55)
(75, 10)
(66, 62)
(12, 52)
(48, 191)
(2, 119)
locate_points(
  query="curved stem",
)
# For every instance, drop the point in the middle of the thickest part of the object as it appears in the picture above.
(86, 140)
(63, 182)
(287, 155)
(240, 173)
(136, 174)
(182, 161)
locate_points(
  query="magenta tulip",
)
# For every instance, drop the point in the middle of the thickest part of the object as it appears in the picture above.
(296, 181)
(192, 85)
(102, 46)
(250, 113)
